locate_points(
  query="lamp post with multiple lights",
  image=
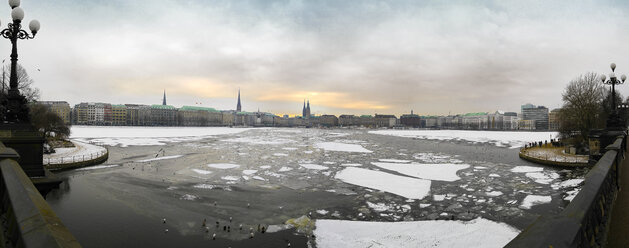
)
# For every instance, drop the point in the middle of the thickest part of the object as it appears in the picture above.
(16, 109)
(614, 121)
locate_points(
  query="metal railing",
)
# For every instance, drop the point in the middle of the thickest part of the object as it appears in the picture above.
(584, 221)
(26, 218)
(75, 158)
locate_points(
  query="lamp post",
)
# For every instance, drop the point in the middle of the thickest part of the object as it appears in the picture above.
(16, 109)
(614, 120)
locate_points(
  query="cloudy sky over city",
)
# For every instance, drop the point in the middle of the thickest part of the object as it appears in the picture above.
(356, 57)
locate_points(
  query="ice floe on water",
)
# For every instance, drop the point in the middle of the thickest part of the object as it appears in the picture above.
(408, 187)
(341, 147)
(314, 166)
(351, 165)
(566, 184)
(258, 178)
(202, 172)
(441, 172)
(526, 169)
(531, 200)
(497, 138)
(429, 157)
(494, 193)
(280, 154)
(285, 169)
(230, 178)
(159, 158)
(260, 140)
(290, 148)
(98, 167)
(249, 172)
(542, 177)
(394, 160)
(439, 233)
(189, 197)
(223, 166)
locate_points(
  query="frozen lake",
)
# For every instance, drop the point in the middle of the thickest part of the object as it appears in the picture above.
(355, 182)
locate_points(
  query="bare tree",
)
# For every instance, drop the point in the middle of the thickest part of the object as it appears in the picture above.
(582, 107)
(25, 83)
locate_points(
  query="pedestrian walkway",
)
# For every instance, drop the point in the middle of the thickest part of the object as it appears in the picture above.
(618, 235)
(553, 156)
(79, 153)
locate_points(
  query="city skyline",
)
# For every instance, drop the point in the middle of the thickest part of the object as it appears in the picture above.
(346, 57)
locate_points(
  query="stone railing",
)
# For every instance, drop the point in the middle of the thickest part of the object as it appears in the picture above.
(584, 222)
(26, 219)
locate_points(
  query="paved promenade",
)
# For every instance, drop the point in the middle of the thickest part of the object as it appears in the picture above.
(618, 235)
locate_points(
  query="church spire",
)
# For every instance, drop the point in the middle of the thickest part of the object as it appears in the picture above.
(308, 109)
(238, 107)
(164, 100)
(303, 110)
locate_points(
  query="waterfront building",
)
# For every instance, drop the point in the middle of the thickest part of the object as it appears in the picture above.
(61, 108)
(537, 114)
(79, 114)
(411, 120)
(245, 119)
(553, 120)
(119, 115)
(385, 120)
(162, 115)
(479, 120)
(348, 120)
(526, 125)
(429, 121)
(328, 121)
(510, 121)
(199, 116)
(228, 118)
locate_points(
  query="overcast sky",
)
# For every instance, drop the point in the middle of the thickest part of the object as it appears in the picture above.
(356, 57)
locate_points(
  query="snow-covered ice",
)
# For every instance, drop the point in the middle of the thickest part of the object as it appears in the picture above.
(138, 136)
(351, 165)
(341, 147)
(542, 177)
(408, 187)
(98, 167)
(498, 138)
(249, 172)
(284, 169)
(531, 200)
(439, 233)
(159, 158)
(314, 166)
(394, 160)
(202, 172)
(441, 172)
(223, 166)
(523, 169)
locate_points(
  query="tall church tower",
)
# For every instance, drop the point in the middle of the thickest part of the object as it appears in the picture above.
(308, 109)
(238, 107)
(164, 100)
(303, 110)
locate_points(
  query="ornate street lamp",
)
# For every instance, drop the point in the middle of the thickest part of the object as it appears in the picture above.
(16, 109)
(614, 120)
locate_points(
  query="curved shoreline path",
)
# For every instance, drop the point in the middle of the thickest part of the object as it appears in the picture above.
(82, 154)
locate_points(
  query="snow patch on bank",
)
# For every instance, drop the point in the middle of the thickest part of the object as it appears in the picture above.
(439, 233)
